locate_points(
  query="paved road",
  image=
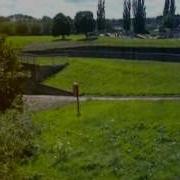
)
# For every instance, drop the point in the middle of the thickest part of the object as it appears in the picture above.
(43, 102)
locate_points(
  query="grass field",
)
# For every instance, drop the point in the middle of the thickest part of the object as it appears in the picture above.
(116, 77)
(20, 42)
(109, 141)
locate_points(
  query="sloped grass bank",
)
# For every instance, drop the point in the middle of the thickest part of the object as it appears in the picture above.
(108, 77)
(110, 140)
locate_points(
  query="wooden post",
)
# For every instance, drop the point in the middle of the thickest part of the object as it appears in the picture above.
(76, 94)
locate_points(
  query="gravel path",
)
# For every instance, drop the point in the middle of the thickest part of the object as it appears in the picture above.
(34, 102)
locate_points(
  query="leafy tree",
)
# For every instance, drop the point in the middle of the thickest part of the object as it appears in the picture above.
(35, 29)
(46, 25)
(172, 8)
(22, 28)
(11, 76)
(71, 24)
(101, 20)
(7, 28)
(127, 15)
(139, 20)
(61, 26)
(166, 7)
(169, 14)
(84, 22)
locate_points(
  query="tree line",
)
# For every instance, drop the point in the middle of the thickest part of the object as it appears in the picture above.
(138, 21)
(134, 20)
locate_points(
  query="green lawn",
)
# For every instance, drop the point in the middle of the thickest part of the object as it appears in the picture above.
(43, 42)
(109, 141)
(116, 77)
(19, 42)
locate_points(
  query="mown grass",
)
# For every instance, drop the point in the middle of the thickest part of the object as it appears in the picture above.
(19, 42)
(41, 42)
(110, 140)
(116, 77)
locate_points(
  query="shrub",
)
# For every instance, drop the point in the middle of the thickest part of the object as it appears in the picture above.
(16, 144)
(11, 76)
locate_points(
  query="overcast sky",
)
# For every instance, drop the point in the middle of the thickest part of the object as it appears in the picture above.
(39, 8)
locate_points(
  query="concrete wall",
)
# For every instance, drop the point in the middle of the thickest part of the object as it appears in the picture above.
(136, 53)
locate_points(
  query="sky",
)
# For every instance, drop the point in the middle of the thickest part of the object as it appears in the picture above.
(39, 8)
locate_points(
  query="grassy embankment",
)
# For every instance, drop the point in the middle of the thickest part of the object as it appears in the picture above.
(116, 77)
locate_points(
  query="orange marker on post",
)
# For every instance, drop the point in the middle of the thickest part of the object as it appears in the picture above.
(76, 94)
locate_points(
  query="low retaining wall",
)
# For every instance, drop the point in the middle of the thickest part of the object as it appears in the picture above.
(39, 73)
(136, 53)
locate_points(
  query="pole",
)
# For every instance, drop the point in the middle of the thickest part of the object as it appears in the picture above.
(76, 94)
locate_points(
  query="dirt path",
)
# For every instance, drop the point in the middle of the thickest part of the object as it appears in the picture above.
(45, 102)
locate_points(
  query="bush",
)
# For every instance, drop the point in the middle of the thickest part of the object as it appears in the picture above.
(16, 144)
(11, 76)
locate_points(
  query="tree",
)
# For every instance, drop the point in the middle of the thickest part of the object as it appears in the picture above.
(22, 28)
(127, 15)
(169, 14)
(35, 28)
(101, 20)
(11, 76)
(46, 25)
(84, 22)
(166, 7)
(61, 26)
(7, 28)
(71, 21)
(172, 8)
(139, 20)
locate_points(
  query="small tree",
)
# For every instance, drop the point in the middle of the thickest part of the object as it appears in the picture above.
(61, 26)
(84, 22)
(127, 15)
(101, 20)
(11, 76)
(139, 20)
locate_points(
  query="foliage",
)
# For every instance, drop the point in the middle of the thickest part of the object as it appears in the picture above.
(61, 25)
(127, 15)
(11, 76)
(169, 18)
(166, 7)
(7, 28)
(110, 140)
(139, 20)
(101, 19)
(22, 28)
(46, 25)
(35, 29)
(84, 22)
(16, 143)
